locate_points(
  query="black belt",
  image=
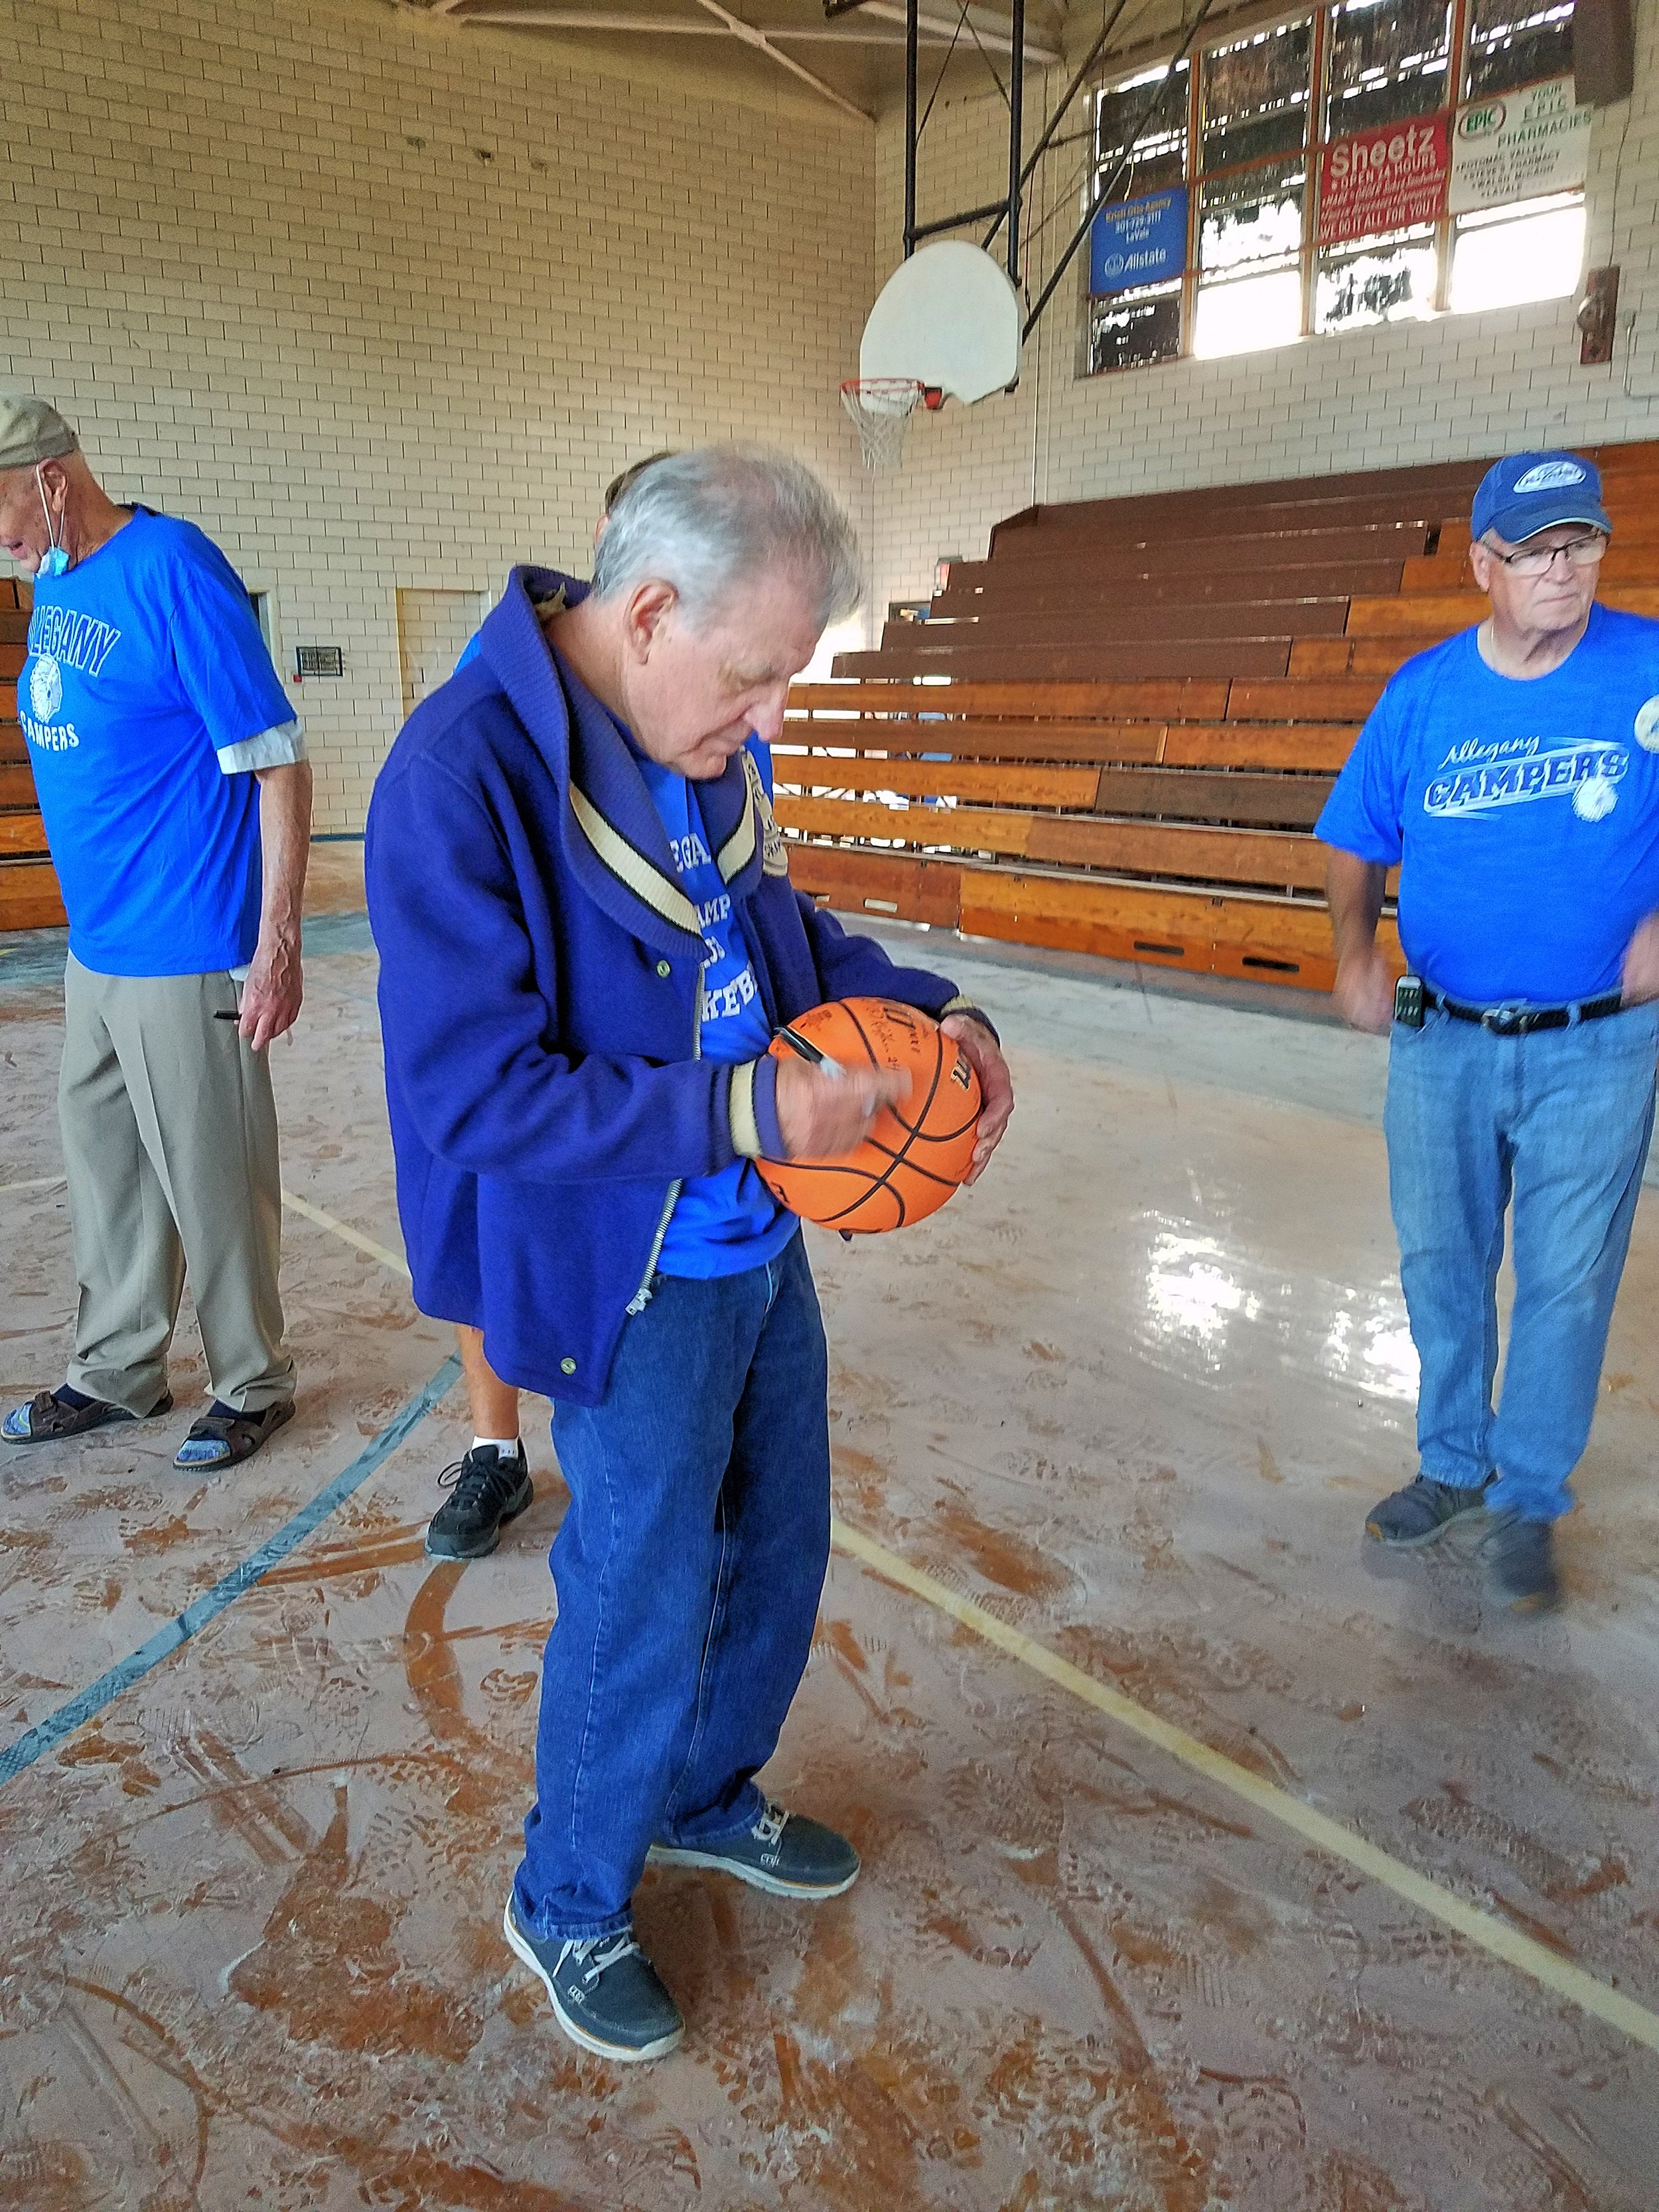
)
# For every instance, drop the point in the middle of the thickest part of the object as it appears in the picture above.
(1521, 1021)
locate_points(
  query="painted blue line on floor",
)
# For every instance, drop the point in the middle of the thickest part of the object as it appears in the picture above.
(97, 1695)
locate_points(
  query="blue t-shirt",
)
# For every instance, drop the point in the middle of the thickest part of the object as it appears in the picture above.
(145, 662)
(721, 1223)
(1524, 814)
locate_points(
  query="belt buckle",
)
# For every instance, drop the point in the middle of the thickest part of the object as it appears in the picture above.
(1506, 1021)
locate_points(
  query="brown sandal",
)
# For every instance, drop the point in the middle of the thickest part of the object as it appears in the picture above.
(231, 1437)
(47, 1418)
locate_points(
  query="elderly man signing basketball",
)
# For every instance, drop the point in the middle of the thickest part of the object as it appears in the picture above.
(588, 937)
(1512, 773)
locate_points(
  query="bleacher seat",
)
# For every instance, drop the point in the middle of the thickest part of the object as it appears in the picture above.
(1115, 733)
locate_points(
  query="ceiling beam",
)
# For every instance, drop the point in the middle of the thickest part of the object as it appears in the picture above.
(994, 30)
(596, 19)
(762, 44)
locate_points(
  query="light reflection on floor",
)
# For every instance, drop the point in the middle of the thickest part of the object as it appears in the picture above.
(1132, 1396)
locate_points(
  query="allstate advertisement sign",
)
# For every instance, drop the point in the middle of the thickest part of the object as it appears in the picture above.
(1139, 242)
(1519, 146)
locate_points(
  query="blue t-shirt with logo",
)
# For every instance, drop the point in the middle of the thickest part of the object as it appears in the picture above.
(1524, 815)
(144, 661)
(721, 1223)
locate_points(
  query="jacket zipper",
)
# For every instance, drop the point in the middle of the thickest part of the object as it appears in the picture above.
(641, 1298)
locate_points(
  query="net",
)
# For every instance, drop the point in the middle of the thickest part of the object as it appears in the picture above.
(880, 409)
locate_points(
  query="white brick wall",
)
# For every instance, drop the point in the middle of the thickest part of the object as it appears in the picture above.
(1466, 385)
(361, 362)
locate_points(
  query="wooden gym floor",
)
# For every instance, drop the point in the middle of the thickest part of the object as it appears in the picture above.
(1213, 1857)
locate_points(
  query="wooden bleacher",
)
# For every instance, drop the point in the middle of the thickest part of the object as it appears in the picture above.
(1115, 733)
(28, 882)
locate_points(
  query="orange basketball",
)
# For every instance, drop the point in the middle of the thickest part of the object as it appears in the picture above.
(917, 1151)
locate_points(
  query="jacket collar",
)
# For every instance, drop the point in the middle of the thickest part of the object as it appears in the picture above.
(613, 836)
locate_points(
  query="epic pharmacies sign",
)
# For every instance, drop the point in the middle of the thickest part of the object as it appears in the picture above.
(1383, 179)
(1519, 146)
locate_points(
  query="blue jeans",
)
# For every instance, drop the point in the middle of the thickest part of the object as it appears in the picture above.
(1559, 1123)
(689, 1568)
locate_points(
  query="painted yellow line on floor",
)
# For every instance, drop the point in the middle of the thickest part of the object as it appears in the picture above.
(346, 1234)
(1491, 1934)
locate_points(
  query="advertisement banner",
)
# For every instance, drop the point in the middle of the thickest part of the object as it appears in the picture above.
(1519, 146)
(1383, 179)
(1138, 242)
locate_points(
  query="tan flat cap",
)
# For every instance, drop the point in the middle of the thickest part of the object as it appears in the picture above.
(31, 431)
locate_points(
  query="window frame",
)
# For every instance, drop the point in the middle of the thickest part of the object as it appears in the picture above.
(1315, 139)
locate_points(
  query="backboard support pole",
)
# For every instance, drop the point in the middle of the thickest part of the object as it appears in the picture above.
(912, 11)
(1101, 194)
(1016, 148)
(1005, 210)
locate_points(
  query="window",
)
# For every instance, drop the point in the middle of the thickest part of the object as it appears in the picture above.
(1141, 133)
(1252, 215)
(1313, 162)
(1386, 63)
(1131, 329)
(1255, 95)
(1510, 43)
(1246, 316)
(1504, 257)
(1148, 115)
(1383, 280)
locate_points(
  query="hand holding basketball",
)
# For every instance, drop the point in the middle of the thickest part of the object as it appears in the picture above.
(830, 1109)
(886, 1123)
(996, 1086)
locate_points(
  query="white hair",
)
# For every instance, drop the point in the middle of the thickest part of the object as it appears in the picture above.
(709, 521)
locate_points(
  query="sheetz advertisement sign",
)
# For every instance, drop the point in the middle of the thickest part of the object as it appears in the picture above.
(1383, 179)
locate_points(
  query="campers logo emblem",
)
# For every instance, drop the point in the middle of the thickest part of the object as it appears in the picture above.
(46, 687)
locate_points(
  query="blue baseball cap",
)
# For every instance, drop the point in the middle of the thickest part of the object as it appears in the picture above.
(1530, 492)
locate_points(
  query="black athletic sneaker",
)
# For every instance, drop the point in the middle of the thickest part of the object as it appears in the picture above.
(490, 1491)
(1418, 1514)
(784, 1853)
(605, 1993)
(1519, 1555)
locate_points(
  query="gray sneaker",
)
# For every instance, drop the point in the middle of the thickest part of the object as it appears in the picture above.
(784, 1853)
(1520, 1558)
(605, 1992)
(1420, 1512)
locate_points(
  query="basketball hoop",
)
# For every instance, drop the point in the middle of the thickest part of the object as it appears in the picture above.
(880, 407)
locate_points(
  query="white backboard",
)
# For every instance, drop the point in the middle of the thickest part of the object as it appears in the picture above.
(949, 318)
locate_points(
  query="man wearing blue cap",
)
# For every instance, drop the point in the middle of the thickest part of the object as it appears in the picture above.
(1510, 774)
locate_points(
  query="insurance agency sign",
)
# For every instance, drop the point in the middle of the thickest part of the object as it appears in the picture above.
(1140, 241)
(1520, 147)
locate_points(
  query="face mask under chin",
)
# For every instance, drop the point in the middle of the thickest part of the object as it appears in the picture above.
(54, 562)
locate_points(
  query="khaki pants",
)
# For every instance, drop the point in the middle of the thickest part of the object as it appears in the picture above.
(170, 1148)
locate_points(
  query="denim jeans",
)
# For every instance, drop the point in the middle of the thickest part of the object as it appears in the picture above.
(689, 1568)
(1558, 1123)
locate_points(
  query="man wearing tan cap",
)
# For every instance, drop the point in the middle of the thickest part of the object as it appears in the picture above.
(176, 796)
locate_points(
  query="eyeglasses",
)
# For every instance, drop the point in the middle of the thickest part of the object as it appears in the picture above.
(1538, 560)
